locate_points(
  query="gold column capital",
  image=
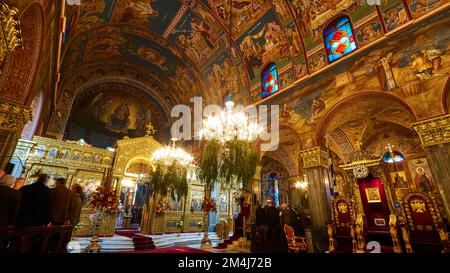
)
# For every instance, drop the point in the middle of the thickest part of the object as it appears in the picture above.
(14, 116)
(314, 157)
(433, 131)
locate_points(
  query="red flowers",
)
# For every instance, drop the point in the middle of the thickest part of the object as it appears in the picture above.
(159, 210)
(209, 205)
(104, 200)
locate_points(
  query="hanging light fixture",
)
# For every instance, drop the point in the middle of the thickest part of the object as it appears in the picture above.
(229, 124)
(10, 34)
(172, 154)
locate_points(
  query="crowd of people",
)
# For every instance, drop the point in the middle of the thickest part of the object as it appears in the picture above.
(270, 217)
(37, 204)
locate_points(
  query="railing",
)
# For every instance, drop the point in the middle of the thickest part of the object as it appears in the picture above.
(35, 239)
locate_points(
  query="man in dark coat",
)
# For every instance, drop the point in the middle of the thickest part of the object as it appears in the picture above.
(35, 209)
(272, 214)
(60, 201)
(286, 216)
(9, 201)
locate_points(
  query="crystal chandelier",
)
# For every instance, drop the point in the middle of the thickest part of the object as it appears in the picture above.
(229, 124)
(172, 154)
(10, 35)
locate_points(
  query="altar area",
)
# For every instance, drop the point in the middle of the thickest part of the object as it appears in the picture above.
(122, 168)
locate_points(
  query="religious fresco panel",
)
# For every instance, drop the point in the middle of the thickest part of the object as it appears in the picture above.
(421, 7)
(116, 110)
(197, 37)
(394, 14)
(244, 13)
(313, 15)
(224, 76)
(262, 43)
(369, 32)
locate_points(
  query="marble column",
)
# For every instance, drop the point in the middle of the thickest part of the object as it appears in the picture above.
(13, 117)
(434, 135)
(315, 164)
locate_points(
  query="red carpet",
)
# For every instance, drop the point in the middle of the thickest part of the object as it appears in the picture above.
(175, 249)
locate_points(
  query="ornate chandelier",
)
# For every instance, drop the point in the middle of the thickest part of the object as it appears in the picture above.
(229, 124)
(172, 154)
(10, 35)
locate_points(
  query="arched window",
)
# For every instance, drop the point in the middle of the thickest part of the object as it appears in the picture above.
(339, 38)
(269, 80)
(273, 189)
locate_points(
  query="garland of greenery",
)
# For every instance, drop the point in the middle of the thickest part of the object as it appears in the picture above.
(173, 177)
(236, 160)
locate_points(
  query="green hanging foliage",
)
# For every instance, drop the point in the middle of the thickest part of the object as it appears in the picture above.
(208, 168)
(236, 160)
(157, 185)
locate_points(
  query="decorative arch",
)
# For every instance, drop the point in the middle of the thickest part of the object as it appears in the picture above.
(329, 115)
(20, 67)
(339, 38)
(36, 109)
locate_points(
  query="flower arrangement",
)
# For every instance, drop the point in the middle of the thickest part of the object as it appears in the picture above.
(104, 200)
(159, 210)
(200, 224)
(179, 224)
(209, 205)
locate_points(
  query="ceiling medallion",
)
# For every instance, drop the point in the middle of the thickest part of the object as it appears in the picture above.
(360, 171)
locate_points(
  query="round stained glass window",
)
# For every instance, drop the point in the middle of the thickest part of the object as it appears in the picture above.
(393, 157)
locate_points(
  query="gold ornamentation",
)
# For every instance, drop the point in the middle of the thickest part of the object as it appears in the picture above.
(13, 116)
(418, 206)
(314, 157)
(393, 230)
(10, 34)
(342, 207)
(433, 131)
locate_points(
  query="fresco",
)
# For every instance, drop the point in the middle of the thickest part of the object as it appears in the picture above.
(421, 174)
(420, 7)
(296, 46)
(116, 110)
(224, 76)
(245, 13)
(94, 13)
(312, 15)
(394, 14)
(369, 33)
(264, 42)
(156, 14)
(197, 37)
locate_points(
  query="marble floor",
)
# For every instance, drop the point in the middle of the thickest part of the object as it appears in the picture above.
(119, 243)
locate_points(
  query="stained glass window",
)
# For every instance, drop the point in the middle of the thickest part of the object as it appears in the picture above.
(273, 189)
(339, 38)
(269, 80)
(393, 157)
(227, 97)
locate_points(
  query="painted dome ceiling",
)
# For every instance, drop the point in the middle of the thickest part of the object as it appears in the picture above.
(184, 44)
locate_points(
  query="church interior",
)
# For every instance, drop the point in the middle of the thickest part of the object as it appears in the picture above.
(103, 148)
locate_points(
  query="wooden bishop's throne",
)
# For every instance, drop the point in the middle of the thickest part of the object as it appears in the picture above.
(341, 230)
(422, 228)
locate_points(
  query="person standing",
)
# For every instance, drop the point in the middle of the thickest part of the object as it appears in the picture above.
(9, 201)
(76, 203)
(261, 222)
(60, 200)
(19, 183)
(273, 218)
(286, 216)
(35, 209)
